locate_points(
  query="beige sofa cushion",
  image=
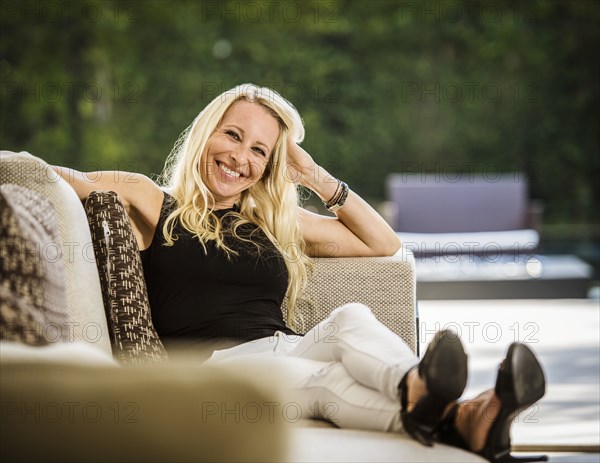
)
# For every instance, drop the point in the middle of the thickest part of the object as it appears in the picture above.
(318, 444)
(84, 300)
(73, 353)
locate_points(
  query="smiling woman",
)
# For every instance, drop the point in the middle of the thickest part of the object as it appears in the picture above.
(238, 152)
(225, 240)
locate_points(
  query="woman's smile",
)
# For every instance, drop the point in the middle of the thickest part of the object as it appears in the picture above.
(238, 151)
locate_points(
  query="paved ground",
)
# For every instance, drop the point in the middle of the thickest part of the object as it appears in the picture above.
(564, 333)
(571, 457)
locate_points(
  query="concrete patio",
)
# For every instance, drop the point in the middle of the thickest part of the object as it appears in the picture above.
(564, 333)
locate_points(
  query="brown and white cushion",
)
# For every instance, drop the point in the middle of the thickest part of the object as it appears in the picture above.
(33, 308)
(133, 337)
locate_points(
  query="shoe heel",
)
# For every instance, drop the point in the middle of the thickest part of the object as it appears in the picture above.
(506, 457)
(425, 417)
(444, 371)
(520, 383)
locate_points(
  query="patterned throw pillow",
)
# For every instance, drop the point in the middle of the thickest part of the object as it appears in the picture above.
(133, 337)
(33, 308)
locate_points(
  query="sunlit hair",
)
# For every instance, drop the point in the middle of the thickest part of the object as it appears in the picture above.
(271, 203)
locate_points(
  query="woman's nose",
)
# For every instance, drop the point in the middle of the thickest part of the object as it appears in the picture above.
(241, 154)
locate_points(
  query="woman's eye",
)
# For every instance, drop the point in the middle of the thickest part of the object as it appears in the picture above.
(260, 151)
(233, 135)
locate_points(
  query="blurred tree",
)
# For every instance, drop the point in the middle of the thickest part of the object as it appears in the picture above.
(383, 86)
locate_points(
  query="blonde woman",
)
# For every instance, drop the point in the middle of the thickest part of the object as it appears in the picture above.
(224, 240)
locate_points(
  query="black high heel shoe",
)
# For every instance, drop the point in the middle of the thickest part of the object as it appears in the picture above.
(519, 384)
(444, 370)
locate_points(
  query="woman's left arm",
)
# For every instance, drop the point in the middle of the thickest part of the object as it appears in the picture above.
(357, 230)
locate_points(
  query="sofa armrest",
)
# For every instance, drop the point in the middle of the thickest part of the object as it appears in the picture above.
(87, 321)
(387, 285)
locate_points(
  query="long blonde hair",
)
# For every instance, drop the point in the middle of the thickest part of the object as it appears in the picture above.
(271, 203)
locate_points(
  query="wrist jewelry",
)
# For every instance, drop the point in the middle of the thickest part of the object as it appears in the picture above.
(339, 198)
(335, 195)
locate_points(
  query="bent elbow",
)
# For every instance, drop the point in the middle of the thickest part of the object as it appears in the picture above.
(389, 247)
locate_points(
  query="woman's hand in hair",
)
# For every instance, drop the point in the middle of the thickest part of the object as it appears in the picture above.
(300, 164)
(357, 229)
(303, 170)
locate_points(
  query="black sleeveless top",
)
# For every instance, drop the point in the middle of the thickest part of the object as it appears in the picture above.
(208, 298)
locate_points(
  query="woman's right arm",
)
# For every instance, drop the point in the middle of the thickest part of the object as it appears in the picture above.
(141, 197)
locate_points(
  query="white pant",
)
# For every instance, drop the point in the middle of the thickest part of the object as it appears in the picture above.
(346, 369)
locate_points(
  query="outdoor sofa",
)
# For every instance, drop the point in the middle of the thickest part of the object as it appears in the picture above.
(84, 376)
(464, 214)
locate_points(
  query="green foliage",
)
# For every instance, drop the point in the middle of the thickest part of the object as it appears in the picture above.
(383, 86)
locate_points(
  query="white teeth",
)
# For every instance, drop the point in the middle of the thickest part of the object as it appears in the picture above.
(231, 173)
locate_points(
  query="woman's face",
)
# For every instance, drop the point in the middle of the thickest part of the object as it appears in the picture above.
(238, 151)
